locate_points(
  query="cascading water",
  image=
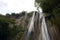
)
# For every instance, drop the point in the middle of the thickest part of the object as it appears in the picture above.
(31, 26)
(44, 31)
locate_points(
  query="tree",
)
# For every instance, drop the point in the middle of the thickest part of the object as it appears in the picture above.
(8, 15)
(51, 7)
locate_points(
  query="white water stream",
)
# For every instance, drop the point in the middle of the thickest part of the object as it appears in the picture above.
(31, 26)
(44, 32)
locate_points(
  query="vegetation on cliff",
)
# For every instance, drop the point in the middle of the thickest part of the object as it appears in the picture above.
(51, 7)
(9, 30)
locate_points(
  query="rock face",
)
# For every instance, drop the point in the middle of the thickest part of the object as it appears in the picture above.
(37, 27)
(53, 31)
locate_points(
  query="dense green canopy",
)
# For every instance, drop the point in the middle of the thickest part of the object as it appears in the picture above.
(8, 29)
(49, 5)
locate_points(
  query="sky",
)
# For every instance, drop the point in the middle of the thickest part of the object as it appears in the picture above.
(9, 6)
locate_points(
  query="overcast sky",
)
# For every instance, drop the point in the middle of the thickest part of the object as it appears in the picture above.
(8, 6)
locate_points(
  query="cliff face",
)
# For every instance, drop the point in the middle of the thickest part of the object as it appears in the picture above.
(53, 31)
(52, 28)
(23, 21)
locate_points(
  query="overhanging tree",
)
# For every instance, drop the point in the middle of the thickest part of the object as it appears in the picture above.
(51, 7)
(48, 6)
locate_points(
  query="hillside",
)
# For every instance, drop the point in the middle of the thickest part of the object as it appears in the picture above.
(17, 26)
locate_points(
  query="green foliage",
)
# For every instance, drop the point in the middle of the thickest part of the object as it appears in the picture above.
(6, 19)
(23, 13)
(51, 7)
(30, 14)
(13, 14)
(56, 11)
(38, 1)
(48, 5)
(16, 15)
(6, 32)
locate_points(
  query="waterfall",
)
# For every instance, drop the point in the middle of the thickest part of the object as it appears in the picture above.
(45, 35)
(44, 31)
(31, 26)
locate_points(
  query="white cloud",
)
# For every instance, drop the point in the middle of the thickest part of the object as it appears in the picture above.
(8, 6)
